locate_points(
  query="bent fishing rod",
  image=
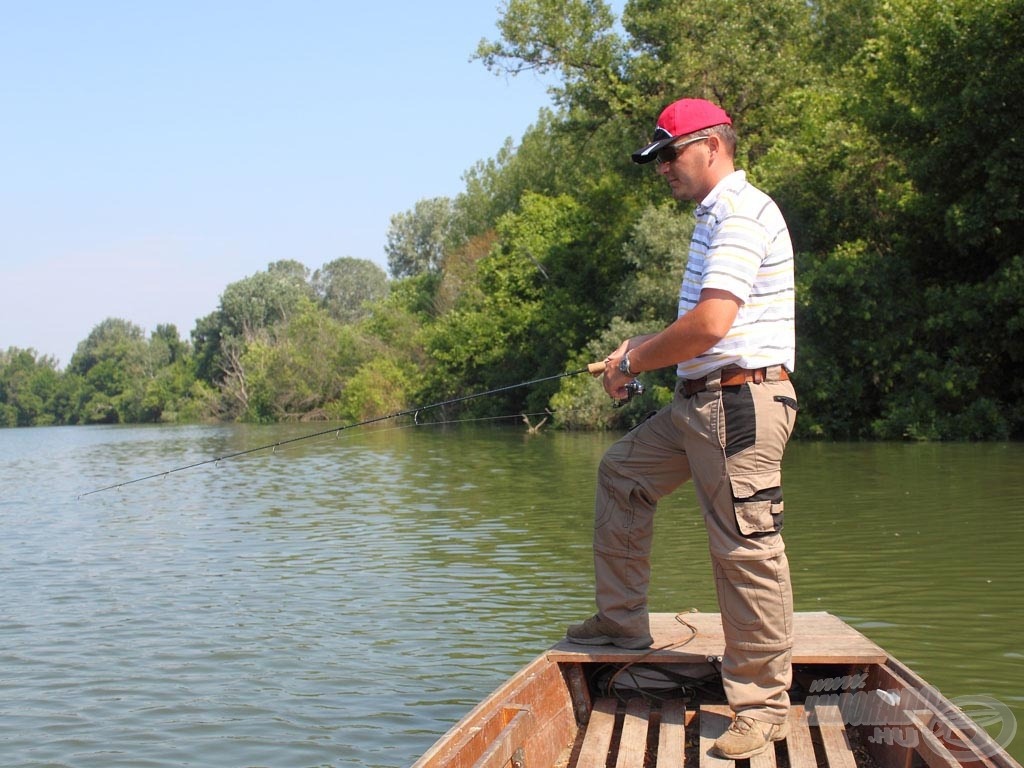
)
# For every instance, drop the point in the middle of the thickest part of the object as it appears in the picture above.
(632, 388)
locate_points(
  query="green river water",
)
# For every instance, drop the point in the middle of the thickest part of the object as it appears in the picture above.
(342, 601)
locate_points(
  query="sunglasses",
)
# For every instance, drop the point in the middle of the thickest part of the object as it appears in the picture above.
(672, 151)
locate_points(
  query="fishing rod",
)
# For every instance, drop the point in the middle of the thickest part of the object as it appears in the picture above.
(634, 387)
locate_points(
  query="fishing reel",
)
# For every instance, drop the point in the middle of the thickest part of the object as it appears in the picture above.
(634, 388)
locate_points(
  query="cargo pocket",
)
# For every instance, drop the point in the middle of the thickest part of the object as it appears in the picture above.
(757, 502)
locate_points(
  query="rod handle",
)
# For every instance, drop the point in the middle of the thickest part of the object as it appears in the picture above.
(596, 368)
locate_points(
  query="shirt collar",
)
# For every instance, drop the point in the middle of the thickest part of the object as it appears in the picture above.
(734, 179)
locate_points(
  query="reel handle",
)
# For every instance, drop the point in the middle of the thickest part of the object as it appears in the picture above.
(633, 388)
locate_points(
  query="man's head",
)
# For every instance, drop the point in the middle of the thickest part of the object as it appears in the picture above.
(693, 146)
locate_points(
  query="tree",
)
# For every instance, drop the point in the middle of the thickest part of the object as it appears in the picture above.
(114, 364)
(932, 94)
(113, 337)
(572, 39)
(747, 57)
(541, 291)
(347, 287)
(170, 392)
(117, 375)
(298, 370)
(417, 239)
(166, 345)
(29, 384)
(379, 387)
(943, 85)
(254, 303)
(657, 254)
(248, 308)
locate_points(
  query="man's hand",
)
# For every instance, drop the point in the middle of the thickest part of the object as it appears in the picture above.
(613, 379)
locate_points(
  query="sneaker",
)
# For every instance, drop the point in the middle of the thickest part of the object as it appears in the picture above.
(747, 737)
(597, 631)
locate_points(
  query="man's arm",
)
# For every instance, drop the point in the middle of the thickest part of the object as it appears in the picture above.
(690, 335)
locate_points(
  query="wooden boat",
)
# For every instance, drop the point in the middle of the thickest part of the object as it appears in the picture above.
(601, 707)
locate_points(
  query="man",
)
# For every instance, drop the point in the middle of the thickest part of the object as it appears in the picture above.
(726, 429)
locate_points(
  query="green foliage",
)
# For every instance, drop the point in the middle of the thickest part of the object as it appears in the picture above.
(581, 402)
(944, 84)
(570, 38)
(844, 297)
(495, 186)
(170, 394)
(898, 169)
(347, 288)
(379, 388)
(417, 239)
(656, 252)
(116, 375)
(746, 56)
(496, 319)
(114, 364)
(264, 299)
(291, 372)
(535, 298)
(29, 388)
(247, 309)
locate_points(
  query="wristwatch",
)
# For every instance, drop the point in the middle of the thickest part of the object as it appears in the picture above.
(624, 365)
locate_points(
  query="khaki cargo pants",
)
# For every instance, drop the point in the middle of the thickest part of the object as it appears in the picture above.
(730, 442)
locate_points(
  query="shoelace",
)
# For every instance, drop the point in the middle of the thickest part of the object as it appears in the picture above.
(741, 725)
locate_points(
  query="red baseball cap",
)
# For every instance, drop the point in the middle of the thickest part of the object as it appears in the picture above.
(678, 119)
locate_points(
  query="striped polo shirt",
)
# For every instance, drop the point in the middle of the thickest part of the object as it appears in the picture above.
(741, 245)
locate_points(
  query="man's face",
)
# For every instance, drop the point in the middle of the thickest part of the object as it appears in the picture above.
(686, 173)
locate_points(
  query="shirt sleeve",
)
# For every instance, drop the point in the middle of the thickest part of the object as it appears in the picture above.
(735, 254)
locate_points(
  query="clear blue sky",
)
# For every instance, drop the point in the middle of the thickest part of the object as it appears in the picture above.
(152, 153)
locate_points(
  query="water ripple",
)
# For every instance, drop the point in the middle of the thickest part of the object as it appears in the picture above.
(341, 602)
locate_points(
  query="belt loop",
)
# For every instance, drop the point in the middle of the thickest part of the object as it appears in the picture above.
(713, 382)
(773, 373)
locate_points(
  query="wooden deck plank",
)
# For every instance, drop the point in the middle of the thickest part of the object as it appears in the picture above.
(714, 721)
(633, 744)
(818, 638)
(798, 743)
(833, 737)
(765, 760)
(598, 737)
(672, 734)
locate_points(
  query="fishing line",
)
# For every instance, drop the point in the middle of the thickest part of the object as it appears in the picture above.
(592, 368)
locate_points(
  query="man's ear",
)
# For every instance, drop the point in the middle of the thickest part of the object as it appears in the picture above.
(714, 146)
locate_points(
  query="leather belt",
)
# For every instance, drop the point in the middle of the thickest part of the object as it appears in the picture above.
(732, 377)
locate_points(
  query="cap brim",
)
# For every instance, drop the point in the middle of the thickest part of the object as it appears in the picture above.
(650, 152)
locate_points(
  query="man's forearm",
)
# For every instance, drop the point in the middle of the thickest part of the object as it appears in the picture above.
(690, 335)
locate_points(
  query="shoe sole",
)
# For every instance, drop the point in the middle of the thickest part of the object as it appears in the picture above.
(628, 643)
